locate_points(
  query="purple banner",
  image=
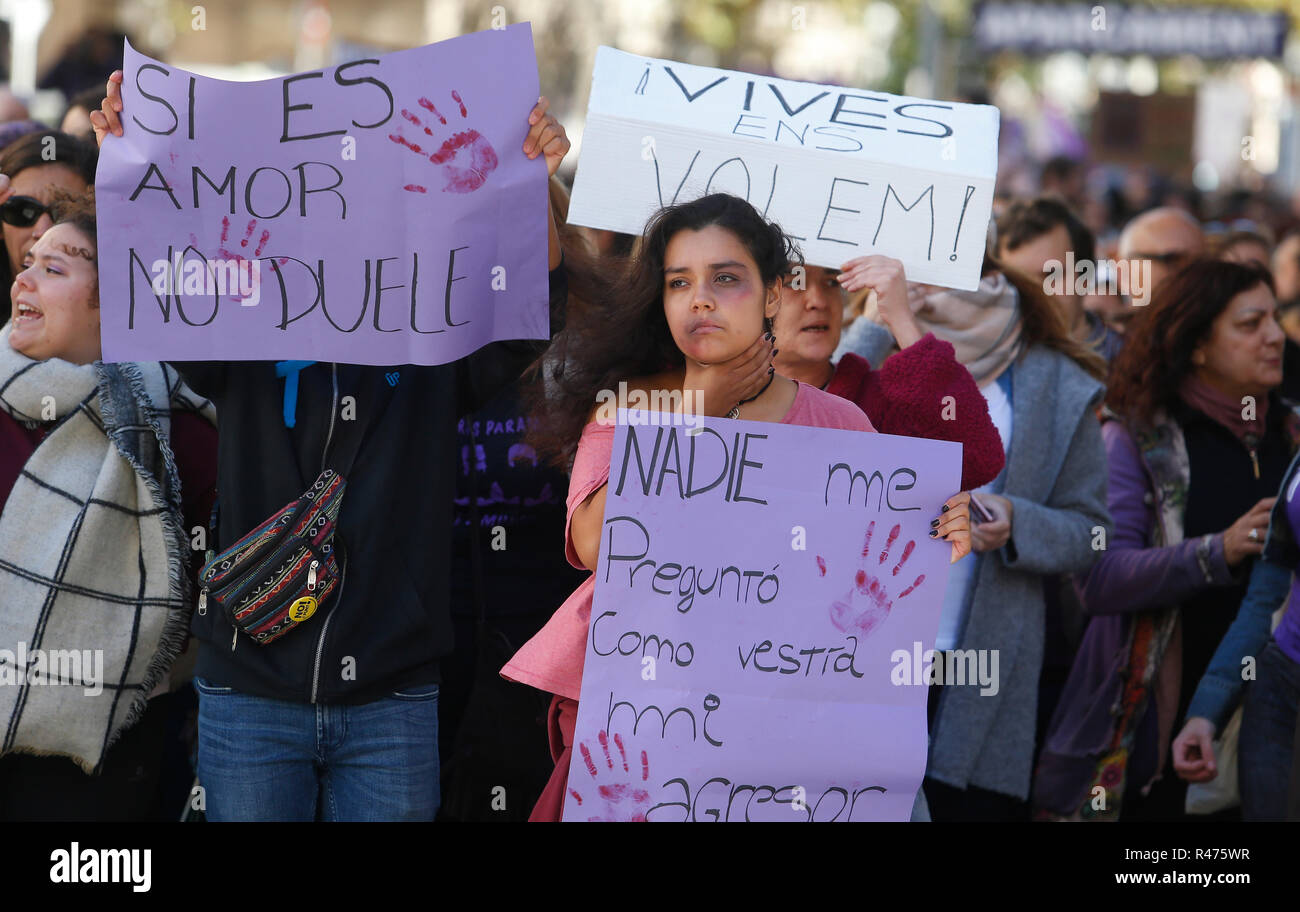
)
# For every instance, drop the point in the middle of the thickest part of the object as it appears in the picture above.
(378, 212)
(763, 594)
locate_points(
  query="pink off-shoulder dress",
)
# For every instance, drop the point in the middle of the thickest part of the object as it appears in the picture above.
(552, 660)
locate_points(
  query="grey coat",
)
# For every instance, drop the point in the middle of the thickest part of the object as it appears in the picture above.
(1055, 479)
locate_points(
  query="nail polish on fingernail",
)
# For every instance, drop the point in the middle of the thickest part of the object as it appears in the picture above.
(933, 523)
(775, 352)
(945, 508)
(771, 370)
(932, 533)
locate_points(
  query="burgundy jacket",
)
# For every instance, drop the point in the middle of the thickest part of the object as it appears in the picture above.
(905, 396)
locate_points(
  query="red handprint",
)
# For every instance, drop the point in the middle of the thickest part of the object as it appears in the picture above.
(867, 603)
(618, 801)
(249, 278)
(461, 178)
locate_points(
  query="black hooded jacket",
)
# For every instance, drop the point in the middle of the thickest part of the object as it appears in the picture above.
(390, 624)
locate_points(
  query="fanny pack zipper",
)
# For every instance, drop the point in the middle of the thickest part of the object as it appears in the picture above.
(295, 581)
(309, 574)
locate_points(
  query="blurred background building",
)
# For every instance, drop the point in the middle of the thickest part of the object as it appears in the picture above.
(1117, 106)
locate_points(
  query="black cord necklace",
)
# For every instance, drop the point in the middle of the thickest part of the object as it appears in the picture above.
(735, 409)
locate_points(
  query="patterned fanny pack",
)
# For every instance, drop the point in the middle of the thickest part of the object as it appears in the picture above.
(280, 574)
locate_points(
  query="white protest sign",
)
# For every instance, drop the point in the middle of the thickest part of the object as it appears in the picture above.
(846, 172)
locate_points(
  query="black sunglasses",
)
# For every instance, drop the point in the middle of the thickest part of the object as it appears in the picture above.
(22, 211)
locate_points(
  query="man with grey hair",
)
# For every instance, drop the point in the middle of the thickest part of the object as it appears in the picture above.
(1167, 238)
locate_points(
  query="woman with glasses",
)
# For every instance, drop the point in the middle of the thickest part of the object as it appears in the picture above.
(36, 165)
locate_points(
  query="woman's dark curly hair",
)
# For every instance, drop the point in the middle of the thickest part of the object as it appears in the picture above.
(78, 210)
(616, 328)
(1160, 340)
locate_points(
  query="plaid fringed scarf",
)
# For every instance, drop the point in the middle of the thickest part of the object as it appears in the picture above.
(94, 589)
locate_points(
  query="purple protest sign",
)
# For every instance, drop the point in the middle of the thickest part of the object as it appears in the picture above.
(378, 212)
(762, 595)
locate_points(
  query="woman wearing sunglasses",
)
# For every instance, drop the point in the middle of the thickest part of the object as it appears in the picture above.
(36, 165)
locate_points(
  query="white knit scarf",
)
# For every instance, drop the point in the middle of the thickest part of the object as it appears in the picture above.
(984, 325)
(94, 588)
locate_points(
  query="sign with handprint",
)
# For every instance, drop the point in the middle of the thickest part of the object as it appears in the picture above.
(846, 171)
(757, 587)
(377, 212)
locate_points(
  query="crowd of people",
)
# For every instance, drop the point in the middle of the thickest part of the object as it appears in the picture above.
(1125, 536)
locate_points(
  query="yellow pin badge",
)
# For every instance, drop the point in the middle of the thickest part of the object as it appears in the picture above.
(302, 609)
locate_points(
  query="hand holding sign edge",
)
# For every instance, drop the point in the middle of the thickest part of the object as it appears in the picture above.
(106, 120)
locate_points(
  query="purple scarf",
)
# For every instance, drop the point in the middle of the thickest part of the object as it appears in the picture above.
(1224, 409)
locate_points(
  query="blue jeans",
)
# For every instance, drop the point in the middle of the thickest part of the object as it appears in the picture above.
(263, 759)
(1268, 726)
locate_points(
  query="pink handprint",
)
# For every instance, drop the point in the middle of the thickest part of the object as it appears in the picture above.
(867, 603)
(460, 177)
(618, 800)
